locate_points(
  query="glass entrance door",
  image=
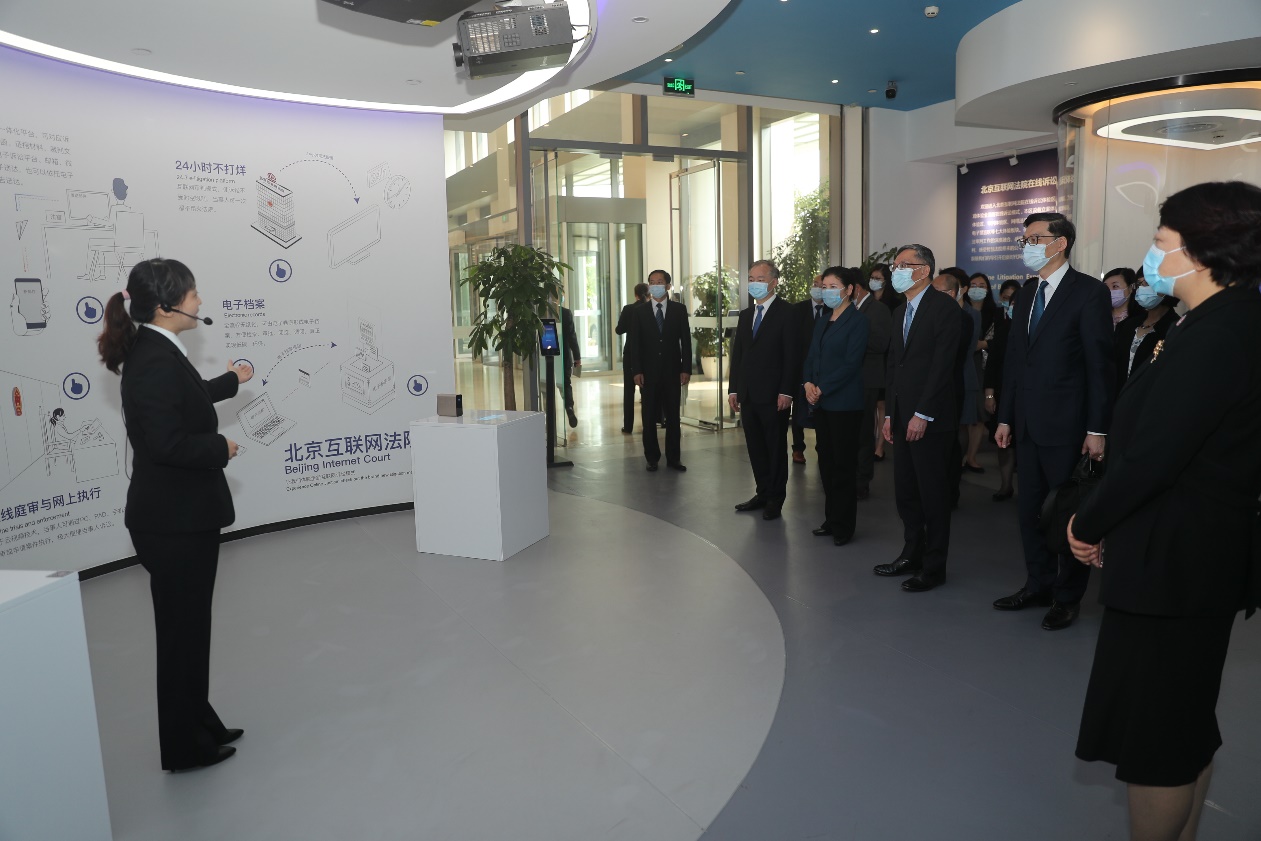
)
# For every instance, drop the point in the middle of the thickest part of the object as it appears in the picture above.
(705, 285)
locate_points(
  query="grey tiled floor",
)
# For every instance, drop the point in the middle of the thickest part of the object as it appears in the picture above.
(916, 716)
(615, 680)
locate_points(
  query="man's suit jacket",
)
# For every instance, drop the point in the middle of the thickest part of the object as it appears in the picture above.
(572, 355)
(177, 482)
(924, 374)
(879, 332)
(1178, 504)
(768, 365)
(659, 354)
(803, 311)
(1058, 384)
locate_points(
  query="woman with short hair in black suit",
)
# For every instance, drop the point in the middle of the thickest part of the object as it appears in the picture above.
(178, 499)
(1138, 335)
(1178, 509)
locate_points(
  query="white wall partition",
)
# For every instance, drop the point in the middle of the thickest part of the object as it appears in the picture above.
(317, 236)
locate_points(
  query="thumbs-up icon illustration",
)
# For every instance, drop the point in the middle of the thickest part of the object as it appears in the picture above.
(76, 387)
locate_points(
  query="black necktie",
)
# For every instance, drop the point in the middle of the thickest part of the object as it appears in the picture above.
(661, 319)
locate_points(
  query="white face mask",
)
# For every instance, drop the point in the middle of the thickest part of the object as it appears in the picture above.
(877, 285)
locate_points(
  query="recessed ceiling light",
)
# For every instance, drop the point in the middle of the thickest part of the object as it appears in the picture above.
(413, 81)
(141, 51)
(669, 60)
(684, 134)
(836, 81)
(739, 72)
(875, 31)
(640, 19)
(872, 90)
(1070, 84)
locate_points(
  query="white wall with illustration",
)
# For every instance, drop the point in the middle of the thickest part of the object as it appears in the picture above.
(316, 253)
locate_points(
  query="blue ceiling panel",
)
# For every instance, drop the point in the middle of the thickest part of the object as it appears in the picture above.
(795, 48)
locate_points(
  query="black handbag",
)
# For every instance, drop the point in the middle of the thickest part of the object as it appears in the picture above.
(1062, 503)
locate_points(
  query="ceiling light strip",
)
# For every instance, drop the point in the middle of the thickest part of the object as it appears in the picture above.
(580, 16)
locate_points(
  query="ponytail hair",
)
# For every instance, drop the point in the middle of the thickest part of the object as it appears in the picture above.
(152, 284)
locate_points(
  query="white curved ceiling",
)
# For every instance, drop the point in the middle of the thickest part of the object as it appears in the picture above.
(314, 49)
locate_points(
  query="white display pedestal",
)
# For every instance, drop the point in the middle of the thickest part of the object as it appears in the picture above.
(480, 483)
(52, 782)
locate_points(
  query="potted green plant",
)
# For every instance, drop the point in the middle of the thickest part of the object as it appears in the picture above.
(805, 252)
(518, 286)
(713, 293)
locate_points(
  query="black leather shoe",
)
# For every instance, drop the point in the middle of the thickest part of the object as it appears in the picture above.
(626, 431)
(573, 418)
(1021, 599)
(222, 753)
(1060, 616)
(841, 540)
(752, 505)
(230, 736)
(864, 493)
(1002, 496)
(772, 510)
(652, 467)
(921, 583)
(902, 566)
(679, 466)
(822, 531)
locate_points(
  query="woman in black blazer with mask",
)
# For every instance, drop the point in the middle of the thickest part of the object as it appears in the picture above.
(1178, 511)
(178, 499)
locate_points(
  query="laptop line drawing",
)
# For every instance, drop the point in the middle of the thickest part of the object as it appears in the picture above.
(261, 422)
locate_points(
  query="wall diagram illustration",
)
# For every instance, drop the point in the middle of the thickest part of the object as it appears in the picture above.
(367, 379)
(275, 211)
(398, 191)
(43, 439)
(29, 312)
(351, 241)
(262, 422)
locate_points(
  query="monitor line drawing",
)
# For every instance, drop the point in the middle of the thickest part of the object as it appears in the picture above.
(353, 239)
(261, 422)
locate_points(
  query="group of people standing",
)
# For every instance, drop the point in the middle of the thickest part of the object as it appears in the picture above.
(1063, 370)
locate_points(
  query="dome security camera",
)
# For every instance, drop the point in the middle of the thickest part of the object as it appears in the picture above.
(891, 90)
(931, 11)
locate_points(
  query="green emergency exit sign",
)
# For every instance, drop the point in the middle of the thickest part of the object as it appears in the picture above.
(678, 86)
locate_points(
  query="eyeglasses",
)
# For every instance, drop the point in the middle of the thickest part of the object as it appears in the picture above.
(1033, 240)
(910, 266)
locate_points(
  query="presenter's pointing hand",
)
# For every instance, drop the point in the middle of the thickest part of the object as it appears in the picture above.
(231, 448)
(243, 370)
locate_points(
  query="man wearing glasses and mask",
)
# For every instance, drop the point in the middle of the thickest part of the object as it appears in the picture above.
(1056, 402)
(921, 417)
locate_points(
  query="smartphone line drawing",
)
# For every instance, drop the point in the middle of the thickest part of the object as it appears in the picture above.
(30, 292)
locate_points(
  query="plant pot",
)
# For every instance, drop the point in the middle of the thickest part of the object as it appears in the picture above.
(709, 367)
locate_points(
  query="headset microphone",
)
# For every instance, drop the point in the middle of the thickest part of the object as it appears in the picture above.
(208, 322)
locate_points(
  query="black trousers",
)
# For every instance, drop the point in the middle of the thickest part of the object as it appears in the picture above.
(867, 439)
(921, 487)
(568, 389)
(628, 399)
(182, 580)
(835, 437)
(1039, 469)
(766, 436)
(661, 398)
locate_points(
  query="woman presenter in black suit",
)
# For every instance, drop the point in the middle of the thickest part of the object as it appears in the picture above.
(178, 499)
(1173, 524)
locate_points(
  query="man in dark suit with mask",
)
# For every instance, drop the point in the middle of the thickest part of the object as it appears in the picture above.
(765, 374)
(1056, 402)
(921, 417)
(659, 352)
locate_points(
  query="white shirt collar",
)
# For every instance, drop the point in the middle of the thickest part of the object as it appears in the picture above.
(914, 302)
(665, 306)
(174, 338)
(1053, 282)
(765, 305)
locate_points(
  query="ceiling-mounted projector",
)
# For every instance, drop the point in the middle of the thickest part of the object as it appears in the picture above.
(416, 12)
(513, 39)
